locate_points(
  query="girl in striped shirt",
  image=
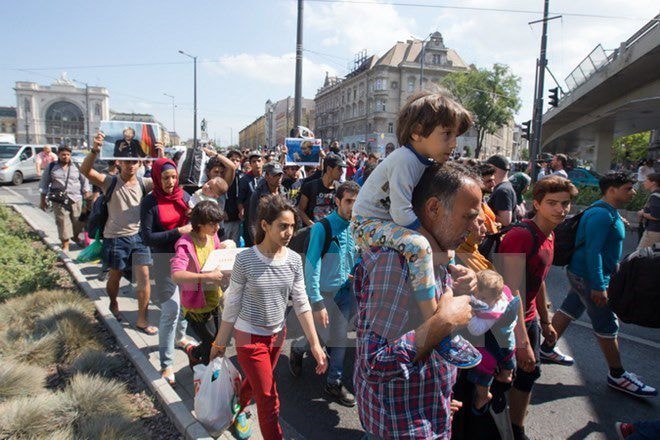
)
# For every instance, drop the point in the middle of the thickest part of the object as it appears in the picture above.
(263, 278)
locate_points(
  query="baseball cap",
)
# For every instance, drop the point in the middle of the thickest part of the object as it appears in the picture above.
(334, 160)
(253, 153)
(499, 161)
(273, 168)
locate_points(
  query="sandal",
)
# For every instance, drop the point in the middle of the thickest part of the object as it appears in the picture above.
(148, 330)
(169, 378)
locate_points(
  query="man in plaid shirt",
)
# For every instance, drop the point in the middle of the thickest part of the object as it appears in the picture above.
(402, 385)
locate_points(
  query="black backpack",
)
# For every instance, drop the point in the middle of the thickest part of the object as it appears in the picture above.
(565, 235)
(99, 214)
(491, 244)
(300, 241)
(634, 290)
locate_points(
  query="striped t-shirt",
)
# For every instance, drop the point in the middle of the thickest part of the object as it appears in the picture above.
(259, 290)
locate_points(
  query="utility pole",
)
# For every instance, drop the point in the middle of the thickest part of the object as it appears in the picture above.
(173, 112)
(87, 117)
(297, 113)
(194, 58)
(541, 65)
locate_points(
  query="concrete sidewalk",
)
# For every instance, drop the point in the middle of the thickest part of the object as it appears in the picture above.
(142, 349)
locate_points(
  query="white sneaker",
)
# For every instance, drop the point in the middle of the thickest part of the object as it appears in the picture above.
(555, 356)
(631, 384)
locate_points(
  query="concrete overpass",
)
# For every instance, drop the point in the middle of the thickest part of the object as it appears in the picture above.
(608, 97)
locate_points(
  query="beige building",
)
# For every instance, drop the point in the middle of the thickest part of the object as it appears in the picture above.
(254, 135)
(361, 109)
(60, 112)
(501, 142)
(276, 123)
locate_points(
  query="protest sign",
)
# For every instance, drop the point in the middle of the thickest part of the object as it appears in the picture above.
(128, 140)
(303, 151)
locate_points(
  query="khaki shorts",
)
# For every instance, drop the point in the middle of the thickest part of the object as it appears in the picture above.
(68, 226)
(649, 238)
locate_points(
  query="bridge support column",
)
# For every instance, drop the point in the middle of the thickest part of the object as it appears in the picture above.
(603, 151)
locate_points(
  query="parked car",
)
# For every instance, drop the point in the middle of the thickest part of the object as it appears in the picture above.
(17, 163)
(583, 176)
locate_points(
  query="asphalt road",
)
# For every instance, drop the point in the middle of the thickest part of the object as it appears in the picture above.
(567, 403)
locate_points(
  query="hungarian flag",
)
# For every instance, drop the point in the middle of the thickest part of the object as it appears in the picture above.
(148, 140)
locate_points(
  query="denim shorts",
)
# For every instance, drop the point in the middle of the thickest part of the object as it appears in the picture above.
(603, 320)
(122, 253)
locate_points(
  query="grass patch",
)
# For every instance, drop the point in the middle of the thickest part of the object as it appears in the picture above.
(93, 396)
(17, 380)
(35, 417)
(26, 264)
(96, 362)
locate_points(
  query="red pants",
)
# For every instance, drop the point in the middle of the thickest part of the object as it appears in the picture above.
(257, 356)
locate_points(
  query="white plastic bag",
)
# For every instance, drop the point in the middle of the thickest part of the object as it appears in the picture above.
(217, 395)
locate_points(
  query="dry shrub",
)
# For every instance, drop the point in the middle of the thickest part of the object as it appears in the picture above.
(35, 351)
(108, 428)
(20, 380)
(19, 314)
(93, 396)
(76, 313)
(96, 362)
(35, 417)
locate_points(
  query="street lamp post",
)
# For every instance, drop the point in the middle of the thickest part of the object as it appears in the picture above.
(173, 112)
(194, 58)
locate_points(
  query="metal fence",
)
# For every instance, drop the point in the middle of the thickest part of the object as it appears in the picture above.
(592, 62)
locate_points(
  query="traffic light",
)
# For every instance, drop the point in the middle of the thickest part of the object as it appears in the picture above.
(553, 97)
(526, 127)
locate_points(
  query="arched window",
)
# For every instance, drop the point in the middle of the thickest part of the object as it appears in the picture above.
(64, 120)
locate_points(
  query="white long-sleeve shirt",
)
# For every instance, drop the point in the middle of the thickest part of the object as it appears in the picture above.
(259, 290)
(387, 193)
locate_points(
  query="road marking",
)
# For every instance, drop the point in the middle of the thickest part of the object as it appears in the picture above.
(624, 336)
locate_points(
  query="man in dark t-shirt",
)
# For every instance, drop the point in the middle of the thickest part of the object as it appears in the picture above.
(317, 196)
(503, 199)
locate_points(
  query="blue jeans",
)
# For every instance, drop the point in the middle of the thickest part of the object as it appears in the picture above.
(334, 336)
(172, 326)
(603, 320)
(646, 430)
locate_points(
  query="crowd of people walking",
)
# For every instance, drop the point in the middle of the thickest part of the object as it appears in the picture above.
(441, 265)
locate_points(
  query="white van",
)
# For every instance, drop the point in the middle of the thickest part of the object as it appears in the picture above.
(17, 163)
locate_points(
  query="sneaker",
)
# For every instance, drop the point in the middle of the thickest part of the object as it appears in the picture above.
(295, 363)
(554, 356)
(241, 427)
(459, 352)
(340, 393)
(631, 384)
(623, 430)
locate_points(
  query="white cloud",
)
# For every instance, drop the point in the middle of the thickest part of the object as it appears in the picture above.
(269, 69)
(358, 26)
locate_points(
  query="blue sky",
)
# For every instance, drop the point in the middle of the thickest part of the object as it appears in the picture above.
(246, 48)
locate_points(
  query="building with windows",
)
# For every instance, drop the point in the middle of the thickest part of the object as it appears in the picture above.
(361, 109)
(276, 123)
(59, 113)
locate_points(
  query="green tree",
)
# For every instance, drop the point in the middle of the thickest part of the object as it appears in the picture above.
(524, 154)
(632, 148)
(491, 96)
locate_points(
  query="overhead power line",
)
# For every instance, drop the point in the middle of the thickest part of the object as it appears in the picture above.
(475, 8)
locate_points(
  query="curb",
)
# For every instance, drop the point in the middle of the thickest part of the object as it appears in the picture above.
(171, 402)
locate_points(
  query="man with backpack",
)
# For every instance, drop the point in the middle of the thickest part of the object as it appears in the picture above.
(123, 249)
(64, 186)
(598, 249)
(526, 254)
(328, 264)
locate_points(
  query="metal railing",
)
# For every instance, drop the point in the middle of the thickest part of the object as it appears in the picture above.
(597, 58)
